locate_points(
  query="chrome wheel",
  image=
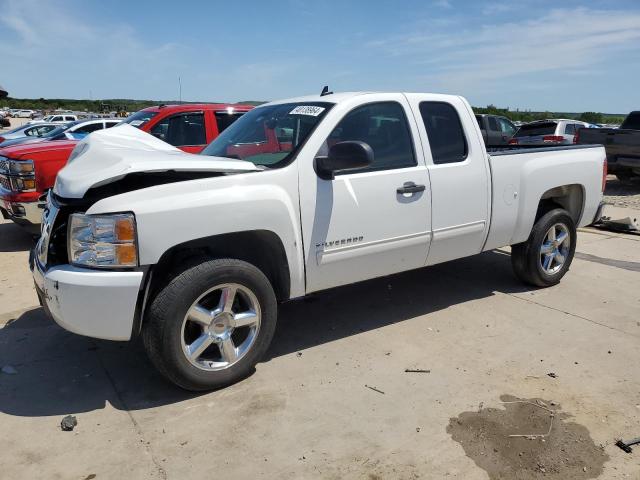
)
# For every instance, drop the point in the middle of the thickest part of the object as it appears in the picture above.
(220, 327)
(555, 248)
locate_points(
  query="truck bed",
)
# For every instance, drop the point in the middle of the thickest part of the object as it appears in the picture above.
(520, 177)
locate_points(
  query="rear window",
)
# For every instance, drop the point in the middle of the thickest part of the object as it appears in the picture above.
(534, 129)
(444, 130)
(632, 122)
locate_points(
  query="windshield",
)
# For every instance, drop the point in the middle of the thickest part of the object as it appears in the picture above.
(269, 135)
(138, 119)
(538, 128)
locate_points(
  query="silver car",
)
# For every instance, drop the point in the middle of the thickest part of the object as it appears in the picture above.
(555, 131)
(28, 131)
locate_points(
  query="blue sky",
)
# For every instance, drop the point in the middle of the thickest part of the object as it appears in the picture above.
(561, 56)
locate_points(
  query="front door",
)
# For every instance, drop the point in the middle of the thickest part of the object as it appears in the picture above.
(368, 223)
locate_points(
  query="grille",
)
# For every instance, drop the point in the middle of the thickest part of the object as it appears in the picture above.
(5, 183)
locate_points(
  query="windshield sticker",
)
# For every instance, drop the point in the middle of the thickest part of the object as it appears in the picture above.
(136, 123)
(311, 110)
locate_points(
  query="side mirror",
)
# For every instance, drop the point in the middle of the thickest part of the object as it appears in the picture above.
(343, 157)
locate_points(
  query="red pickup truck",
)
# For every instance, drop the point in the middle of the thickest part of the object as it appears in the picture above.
(28, 171)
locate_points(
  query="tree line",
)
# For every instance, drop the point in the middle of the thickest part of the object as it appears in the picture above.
(129, 105)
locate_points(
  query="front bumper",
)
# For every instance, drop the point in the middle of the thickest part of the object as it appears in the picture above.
(99, 304)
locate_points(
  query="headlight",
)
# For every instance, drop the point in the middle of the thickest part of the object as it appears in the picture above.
(21, 167)
(23, 184)
(106, 241)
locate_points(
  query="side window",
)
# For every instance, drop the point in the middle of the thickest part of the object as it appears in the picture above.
(444, 130)
(479, 120)
(56, 119)
(507, 127)
(493, 124)
(110, 124)
(181, 130)
(570, 129)
(89, 128)
(384, 127)
(224, 120)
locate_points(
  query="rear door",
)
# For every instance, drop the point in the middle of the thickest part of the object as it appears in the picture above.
(459, 174)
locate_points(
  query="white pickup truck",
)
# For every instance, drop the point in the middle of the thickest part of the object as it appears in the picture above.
(194, 252)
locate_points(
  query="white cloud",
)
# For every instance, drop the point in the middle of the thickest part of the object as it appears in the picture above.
(442, 4)
(561, 40)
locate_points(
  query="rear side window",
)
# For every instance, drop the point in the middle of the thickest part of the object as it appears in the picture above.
(493, 124)
(570, 129)
(538, 128)
(224, 120)
(444, 130)
(181, 130)
(89, 128)
(384, 127)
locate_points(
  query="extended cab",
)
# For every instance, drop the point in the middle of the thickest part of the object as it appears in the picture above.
(195, 251)
(28, 171)
(621, 144)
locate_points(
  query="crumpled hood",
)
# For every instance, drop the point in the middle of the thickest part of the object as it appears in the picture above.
(108, 155)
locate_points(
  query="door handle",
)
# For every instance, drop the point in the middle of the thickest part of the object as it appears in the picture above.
(410, 187)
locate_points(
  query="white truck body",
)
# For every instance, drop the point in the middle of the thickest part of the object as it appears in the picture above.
(332, 232)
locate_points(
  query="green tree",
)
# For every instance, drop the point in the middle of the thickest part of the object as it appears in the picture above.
(591, 117)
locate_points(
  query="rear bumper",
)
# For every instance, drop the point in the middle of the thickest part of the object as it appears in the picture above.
(94, 303)
(598, 215)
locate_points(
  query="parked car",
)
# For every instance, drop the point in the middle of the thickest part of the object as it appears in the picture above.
(24, 113)
(621, 144)
(27, 131)
(68, 131)
(189, 127)
(496, 130)
(58, 118)
(195, 252)
(548, 132)
(4, 122)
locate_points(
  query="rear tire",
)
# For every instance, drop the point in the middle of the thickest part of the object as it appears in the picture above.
(210, 324)
(546, 256)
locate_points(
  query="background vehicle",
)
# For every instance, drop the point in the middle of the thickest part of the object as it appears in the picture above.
(297, 196)
(496, 130)
(28, 131)
(24, 113)
(58, 118)
(548, 132)
(189, 127)
(68, 131)
(4, 122)
(622, 145)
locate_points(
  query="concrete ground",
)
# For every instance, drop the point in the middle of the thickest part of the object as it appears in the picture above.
(306, 412)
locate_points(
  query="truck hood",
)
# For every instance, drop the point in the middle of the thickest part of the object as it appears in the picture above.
(24, 150)
(108, 155)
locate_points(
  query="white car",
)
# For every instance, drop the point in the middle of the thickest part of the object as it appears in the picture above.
(57, 118)
(196, 251)
(24, 113)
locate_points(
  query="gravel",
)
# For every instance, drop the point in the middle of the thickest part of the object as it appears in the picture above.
(622, 194)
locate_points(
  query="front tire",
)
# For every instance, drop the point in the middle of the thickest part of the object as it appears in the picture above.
(210, 325)
(546, 256)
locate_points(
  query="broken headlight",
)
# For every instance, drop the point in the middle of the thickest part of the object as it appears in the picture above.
(107, 241)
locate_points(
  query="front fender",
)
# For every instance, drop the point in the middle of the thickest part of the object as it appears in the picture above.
(172, 214)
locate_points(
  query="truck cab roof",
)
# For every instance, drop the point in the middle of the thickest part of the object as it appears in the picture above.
(198, 106)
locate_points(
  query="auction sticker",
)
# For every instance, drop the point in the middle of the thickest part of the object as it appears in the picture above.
(311, 110)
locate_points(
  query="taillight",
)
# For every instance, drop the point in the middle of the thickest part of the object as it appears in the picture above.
(513, 141)
(552, 138)
(604, 174)
(1, 139)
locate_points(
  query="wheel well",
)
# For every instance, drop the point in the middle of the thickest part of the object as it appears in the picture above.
(261, 248)
(569, 197)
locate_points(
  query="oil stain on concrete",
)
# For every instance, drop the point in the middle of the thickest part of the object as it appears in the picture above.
(551, 447)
